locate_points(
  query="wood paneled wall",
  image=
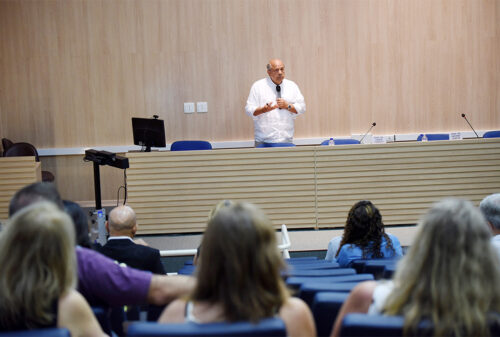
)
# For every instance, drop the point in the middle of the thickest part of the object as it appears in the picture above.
(309, 186)
(73, 72)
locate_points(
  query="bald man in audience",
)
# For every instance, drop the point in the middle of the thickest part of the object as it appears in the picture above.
(490, 207)
(122, 226)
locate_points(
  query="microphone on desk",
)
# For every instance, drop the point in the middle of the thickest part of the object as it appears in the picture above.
(371, 127)
(463, 115)
(278, 90)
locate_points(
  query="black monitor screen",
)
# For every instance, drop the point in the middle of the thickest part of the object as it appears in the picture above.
(148, 132)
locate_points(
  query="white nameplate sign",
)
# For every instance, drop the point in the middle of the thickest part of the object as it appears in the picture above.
(379, 140)
(455, 136)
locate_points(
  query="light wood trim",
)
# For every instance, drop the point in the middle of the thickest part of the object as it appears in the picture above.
(15, 173)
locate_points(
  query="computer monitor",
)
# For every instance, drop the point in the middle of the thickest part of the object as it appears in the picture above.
(148, 132)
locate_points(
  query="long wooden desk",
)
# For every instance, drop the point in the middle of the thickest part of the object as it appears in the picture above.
(309, 187)
(15, 173)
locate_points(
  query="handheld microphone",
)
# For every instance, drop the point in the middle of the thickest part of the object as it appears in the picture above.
(463, 115)
(278, 90)
(371, 127)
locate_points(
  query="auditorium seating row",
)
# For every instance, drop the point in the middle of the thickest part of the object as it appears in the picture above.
(323, 285)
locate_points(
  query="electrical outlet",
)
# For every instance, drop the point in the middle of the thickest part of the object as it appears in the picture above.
(188, 107)
(202, 107)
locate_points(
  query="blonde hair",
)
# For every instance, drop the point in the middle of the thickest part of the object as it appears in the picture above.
(38, 264)
(451, 274)
(241, 265)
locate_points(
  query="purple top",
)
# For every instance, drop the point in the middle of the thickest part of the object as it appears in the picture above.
(102, 281)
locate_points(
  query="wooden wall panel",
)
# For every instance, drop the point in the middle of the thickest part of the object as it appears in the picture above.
(404, 179)
(75, 71)
(15, 173)
(310, 186)
(174, 191)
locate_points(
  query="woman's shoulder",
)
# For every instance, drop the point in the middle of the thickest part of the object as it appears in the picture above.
(297, 317)
(175, 312)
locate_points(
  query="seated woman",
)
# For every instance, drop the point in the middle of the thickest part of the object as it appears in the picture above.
(37, 259)
(239, 276)
(364, 236)
(451, 275)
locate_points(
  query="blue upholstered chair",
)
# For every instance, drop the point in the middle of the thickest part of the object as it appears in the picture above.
(296, 282)
(53, 332)
(309, 289)
(190, 145)
(325, 308)
(276, 145)
(311, 266)
(357, 325)
(321, 272)
(378, 325)
(302, 259)
(434, 136)
(267, 327)
(492, 134)
(341, 141)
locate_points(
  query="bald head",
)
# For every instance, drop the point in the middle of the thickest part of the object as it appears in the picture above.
(276, 70)
(122, 221)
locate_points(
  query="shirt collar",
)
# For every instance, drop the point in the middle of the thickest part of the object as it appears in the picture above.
(120, 238)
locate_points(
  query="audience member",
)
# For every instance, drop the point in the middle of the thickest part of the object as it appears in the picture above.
(211, 214)
(81, 222)
(100, 280)
(122, 226)
(240, 267)
(364, 237)
(490, 207)
(38, 279)
(450, 275)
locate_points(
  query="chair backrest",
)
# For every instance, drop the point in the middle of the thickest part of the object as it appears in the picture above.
(310, 266)
(321, 272)
(378, 325)
(266, 327)
(381, 325)
(276, 145)
(309, 289)
(52, 332)
(325, 309)
(296, 282)
(434, 136)
(492, 134)
(341, 141)
(21, 149)
(190, 145)
(6, 143)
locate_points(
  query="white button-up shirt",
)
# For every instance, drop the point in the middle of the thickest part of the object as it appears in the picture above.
(274, 126)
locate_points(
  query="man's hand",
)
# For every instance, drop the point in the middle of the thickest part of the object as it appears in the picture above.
(268, 107)
(282, 104)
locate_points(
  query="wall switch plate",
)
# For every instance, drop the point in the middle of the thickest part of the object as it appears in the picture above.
(188, 108)
(202, 107)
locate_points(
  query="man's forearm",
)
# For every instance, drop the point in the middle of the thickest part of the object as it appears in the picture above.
(164, 289)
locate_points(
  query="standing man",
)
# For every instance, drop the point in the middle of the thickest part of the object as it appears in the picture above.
(273, 103)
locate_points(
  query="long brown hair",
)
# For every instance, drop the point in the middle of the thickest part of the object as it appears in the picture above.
(37, 260)
(240, 265)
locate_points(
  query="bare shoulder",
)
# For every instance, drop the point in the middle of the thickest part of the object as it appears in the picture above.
(174, 312)
(72, 303)
(297, 317)
(364, 291)
(294, 307)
